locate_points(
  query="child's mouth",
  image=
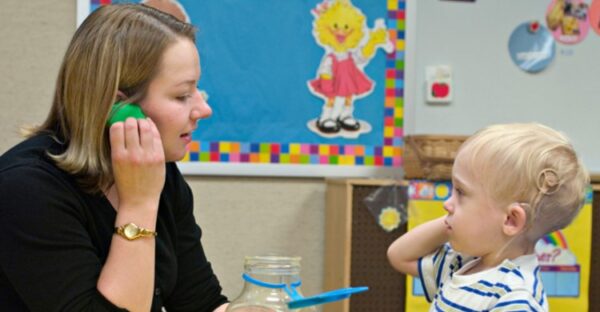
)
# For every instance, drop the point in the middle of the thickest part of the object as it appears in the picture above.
(448, 227)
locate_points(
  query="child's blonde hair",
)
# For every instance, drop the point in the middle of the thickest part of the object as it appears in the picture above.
(532, 165)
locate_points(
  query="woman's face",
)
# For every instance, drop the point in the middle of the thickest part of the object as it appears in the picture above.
(173, 102)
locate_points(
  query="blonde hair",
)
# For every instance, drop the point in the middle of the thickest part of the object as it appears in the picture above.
(117, 48)
(533, 165)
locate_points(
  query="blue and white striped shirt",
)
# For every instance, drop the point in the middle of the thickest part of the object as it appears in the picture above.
(514, 285)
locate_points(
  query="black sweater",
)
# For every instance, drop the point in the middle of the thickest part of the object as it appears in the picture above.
(55, 238)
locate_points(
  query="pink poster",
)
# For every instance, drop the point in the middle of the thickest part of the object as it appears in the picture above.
(567, 20)
(594, 16)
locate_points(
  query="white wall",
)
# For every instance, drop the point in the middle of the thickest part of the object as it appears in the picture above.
(472, 37)
(256, 216)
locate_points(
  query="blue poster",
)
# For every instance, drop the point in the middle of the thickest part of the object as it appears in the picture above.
(311, 82)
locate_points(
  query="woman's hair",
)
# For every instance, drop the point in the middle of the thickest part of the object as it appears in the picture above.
(533, 165)
(117, 48)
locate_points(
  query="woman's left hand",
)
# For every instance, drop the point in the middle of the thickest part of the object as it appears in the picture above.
(138, 161)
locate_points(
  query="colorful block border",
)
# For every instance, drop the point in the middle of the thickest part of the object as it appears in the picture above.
(429, 190)
(441, 190)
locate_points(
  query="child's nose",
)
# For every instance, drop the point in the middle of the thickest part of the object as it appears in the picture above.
(448, 205)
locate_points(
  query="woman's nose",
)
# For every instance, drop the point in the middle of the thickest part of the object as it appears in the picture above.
(201, 110)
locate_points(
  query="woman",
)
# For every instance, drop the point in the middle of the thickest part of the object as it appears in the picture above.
(99, 218)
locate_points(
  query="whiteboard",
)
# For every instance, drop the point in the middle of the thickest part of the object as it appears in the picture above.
(472, 38)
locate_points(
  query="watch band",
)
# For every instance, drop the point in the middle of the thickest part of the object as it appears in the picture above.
(131, 231)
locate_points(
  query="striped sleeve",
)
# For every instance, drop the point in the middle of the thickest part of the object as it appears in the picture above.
(518, 300)
(436, 268)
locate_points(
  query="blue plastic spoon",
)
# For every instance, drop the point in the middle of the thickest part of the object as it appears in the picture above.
(297, 301)
(335, 295)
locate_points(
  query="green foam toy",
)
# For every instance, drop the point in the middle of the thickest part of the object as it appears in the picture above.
(121, 111)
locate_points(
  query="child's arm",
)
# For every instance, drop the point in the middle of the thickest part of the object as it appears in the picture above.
(405, 251)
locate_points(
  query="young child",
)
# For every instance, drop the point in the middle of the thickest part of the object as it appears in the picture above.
(512, 184)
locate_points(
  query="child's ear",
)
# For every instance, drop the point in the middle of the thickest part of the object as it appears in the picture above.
(515, 220)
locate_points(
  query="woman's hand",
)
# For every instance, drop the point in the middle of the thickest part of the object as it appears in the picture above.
(138, 161)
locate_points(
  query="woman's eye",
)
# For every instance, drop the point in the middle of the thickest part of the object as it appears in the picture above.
(182, 98)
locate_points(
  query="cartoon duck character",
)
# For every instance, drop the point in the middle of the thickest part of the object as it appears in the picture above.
(340, 28)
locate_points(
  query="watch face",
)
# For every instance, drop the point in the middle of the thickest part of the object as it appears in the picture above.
(130, 230)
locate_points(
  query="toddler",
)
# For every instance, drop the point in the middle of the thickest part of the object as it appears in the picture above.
(511, 185)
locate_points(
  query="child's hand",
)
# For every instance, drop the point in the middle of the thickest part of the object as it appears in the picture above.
(138, 161)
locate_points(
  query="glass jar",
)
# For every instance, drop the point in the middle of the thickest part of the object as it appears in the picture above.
(269, 283)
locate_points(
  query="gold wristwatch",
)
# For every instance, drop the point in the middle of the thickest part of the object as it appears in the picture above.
(130, 231)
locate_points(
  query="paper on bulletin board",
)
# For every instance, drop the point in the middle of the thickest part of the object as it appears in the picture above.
(564, 255)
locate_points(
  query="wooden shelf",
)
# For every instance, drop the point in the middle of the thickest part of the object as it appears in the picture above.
(355, 250)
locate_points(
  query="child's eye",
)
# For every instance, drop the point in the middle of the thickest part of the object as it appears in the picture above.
(335, 25)
(458, 191)
(346, 26)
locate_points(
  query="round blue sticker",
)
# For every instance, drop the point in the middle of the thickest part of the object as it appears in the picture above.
(531, 47)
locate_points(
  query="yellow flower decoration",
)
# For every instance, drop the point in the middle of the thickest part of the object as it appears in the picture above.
(389, 218)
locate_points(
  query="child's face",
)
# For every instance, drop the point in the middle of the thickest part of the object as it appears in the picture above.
(474, 224)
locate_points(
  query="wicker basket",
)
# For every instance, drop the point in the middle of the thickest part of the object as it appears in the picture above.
(430, 156)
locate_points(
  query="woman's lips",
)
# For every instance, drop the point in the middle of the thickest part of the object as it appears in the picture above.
(186, 137)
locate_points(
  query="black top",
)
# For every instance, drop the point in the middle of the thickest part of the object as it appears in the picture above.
(55, 238)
